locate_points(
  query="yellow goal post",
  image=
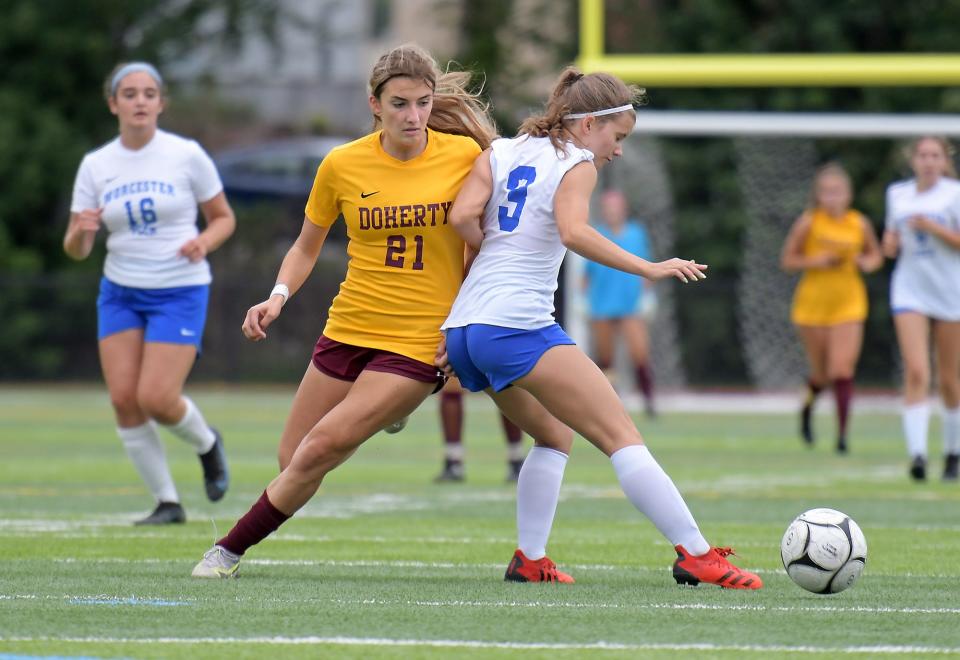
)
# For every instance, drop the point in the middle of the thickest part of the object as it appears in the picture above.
(761, 69)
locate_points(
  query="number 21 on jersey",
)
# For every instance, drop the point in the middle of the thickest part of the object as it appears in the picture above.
(517, 181)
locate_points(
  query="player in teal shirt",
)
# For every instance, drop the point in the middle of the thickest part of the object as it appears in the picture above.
(615, 297)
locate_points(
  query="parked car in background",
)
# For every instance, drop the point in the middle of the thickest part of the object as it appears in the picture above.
(275, 171)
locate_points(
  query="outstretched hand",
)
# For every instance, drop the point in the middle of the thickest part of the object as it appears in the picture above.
(260, 316)
(685, 270)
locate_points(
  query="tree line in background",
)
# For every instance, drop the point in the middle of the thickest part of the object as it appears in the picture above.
(56, 54)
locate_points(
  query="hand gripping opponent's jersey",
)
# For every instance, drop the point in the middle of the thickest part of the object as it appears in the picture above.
(149, 198)
(406, 260)
(926, 278)
(512, 281)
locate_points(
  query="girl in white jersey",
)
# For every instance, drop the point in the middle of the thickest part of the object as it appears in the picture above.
(144, 188)
(525, 202)
(923, 234)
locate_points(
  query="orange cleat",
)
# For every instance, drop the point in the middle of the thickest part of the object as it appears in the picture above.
(712, 568)
(522, 569)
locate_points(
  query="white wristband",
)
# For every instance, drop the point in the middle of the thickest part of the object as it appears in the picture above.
(281, 290)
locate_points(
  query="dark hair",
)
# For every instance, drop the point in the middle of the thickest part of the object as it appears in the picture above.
(456, 110)
(575, 92)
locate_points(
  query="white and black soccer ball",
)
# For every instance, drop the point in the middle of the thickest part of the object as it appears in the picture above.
(824, 551)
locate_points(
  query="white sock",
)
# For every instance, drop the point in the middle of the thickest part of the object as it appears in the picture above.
(516, 452)
(951, 431)
(916, 422)
(193, 429)
(649, 489)
(538, 489)
(145, 449)
(453, 451)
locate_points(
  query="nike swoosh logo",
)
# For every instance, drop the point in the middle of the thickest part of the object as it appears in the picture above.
(365, 195)
(110, 179)
(187, 333)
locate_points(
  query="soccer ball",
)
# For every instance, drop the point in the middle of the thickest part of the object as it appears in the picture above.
(824, 551)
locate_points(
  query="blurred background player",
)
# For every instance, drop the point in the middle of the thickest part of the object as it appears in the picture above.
(615, 298)
(831, 244)
(144, 186)
(524, 204)
(451, 423)
(923, 234)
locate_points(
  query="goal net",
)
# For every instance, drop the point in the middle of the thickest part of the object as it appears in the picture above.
(772, 158)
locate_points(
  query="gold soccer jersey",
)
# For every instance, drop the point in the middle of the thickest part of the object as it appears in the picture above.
(830, 296)
(406, 261)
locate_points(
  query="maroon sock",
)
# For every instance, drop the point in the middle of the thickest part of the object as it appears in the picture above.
(451, 417)
(512, 431)
(257, 524)
(843, 392)
(644, 380)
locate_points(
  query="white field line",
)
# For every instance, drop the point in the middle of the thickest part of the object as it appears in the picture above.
(459, 566)
(127, 599)
(478, 644)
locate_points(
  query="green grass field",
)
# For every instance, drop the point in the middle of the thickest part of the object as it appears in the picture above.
(385, 564)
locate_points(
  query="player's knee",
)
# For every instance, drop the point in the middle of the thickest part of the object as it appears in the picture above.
(916, 377)
(159, 405)
(324, 449)
(125, 404)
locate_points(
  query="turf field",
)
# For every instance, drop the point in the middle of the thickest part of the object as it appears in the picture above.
(386, 564)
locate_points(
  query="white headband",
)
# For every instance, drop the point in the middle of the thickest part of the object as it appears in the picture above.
(599, 113)
(134, 67)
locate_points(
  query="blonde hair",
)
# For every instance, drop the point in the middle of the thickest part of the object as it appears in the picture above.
(824, 171)
(948, 151)
(456, 109)
(575, 92)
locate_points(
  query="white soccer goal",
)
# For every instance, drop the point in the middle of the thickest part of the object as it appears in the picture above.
(775, 156)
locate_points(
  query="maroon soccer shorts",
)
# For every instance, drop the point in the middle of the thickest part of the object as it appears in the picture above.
(345, 362)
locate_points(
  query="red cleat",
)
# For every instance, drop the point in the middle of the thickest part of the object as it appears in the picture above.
(712, 568)
(522, 569)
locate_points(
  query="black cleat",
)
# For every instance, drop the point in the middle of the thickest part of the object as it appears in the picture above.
(166, 513)
(842, 445)
(918, 468)
(216, 477)
(950, 467)
(513, 471)
(452, 472)
(806, 424)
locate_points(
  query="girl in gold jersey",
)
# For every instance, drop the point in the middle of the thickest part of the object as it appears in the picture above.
(373, 364)
(831, 244)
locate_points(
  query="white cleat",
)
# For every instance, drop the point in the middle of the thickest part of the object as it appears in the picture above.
(397, 426)
(217, 562)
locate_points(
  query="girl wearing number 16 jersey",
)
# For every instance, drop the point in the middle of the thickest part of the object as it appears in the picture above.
(144, 187)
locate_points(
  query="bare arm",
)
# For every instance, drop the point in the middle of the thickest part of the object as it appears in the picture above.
(221, 224)
(296, 267)
(871, 258)
(472, 200)
(571, 208)
(81, 232)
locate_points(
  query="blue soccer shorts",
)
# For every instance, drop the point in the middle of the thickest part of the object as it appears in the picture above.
(175, 315)
(492, 356)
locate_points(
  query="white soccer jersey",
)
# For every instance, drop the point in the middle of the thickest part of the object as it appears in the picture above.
(513, 278)
(149, 199)
(926, 278)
